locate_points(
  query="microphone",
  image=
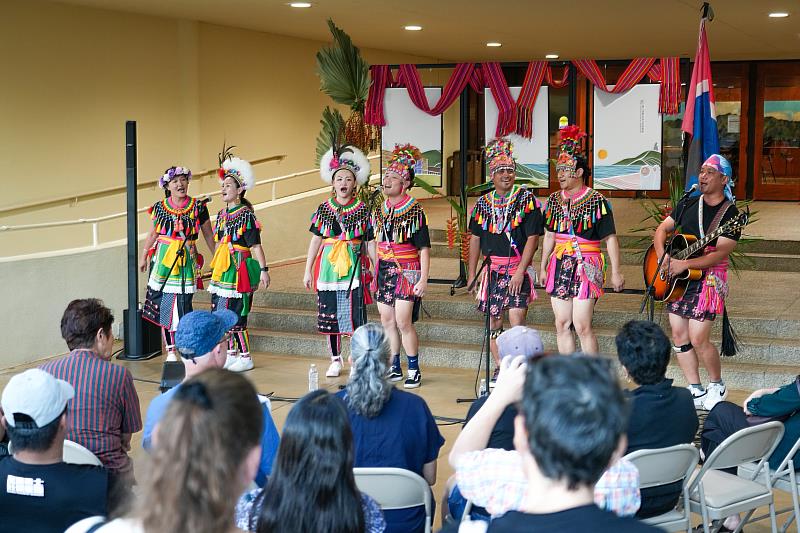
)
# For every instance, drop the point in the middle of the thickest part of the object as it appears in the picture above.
(204, 201)
(689, 192)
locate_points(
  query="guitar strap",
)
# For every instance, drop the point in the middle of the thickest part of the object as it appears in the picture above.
(717, 218)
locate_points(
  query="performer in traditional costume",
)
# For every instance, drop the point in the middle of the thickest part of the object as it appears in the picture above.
(239, 267)
(337, 265)
(692, 317)
(403, 261)
(171, 253)
(505, 227)
(577, 219)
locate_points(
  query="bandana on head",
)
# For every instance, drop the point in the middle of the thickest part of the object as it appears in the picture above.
(721, 165)
(403, 158)
(172, 173)
(570, 145)
(500, 155)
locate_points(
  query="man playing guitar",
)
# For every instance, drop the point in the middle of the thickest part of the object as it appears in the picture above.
(691, 317)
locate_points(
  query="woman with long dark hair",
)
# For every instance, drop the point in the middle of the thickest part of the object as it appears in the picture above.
(312, 487)
(391, 427)
(206, 450)
(239, 266)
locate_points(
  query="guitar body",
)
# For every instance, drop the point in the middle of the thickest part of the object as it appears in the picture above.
(666, 289)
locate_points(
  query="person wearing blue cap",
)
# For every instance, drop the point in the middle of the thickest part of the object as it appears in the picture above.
(691, 317)
(201, 340)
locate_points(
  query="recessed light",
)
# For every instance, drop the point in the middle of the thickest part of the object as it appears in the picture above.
(494, 45)
(300, 4)
(412, 28)
(778, 15)
(551, 56)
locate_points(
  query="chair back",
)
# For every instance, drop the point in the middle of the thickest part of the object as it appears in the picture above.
(395, 488)
(76, 454)
(753, 444)
(664, 465)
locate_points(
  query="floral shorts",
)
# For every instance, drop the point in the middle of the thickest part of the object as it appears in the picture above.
(500, 299)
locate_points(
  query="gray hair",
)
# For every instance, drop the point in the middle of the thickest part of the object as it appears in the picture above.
(368, 389)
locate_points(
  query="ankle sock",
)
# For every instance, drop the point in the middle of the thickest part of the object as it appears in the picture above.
(413, 362)
(396, 361)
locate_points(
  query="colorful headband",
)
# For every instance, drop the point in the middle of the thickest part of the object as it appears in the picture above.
(238, 169)
(570, 146)
(500, 155)
(721, 165)
(172, 173)
(345, 157)
(403, 158)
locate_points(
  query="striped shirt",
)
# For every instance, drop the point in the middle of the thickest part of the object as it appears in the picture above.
(105, 405)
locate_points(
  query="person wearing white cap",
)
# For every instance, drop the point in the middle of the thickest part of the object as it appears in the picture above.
(37, 488)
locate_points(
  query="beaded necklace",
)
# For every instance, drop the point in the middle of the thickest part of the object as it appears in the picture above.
(498, 214)
(234, 222)
(352, 218)
(398, 223)
(174, 221)
(581, 212)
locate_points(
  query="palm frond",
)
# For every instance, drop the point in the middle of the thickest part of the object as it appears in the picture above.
(332, 124)
(427, 187)
(343, 73)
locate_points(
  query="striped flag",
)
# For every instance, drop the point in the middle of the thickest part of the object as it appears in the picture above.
(700, 117)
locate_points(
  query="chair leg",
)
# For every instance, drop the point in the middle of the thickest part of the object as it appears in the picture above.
(772, 518)
(795, 498)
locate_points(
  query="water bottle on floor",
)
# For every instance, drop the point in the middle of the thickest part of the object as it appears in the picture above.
(313, 378)
(482, 389)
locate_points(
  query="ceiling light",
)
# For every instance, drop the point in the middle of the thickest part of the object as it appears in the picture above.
(551, 56)
(300, 4)
(412, 28)
(778, 15)
(494, 44)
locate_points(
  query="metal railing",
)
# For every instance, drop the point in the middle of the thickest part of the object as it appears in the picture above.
(273, 201)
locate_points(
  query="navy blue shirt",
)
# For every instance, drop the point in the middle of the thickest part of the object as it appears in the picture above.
(403, 435)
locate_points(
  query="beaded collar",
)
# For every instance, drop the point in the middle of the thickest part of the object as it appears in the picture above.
(234, 221)
(581, 212)
(172, 221)
(398, 223)
(496, 213)
(352, 219)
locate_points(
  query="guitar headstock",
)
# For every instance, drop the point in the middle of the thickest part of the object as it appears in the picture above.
(736, 223)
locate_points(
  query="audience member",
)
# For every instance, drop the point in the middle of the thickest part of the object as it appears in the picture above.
(201, 340)
(37, 488)
(661, 415)
(562, 447)
(312, 487)
(391, 428)
(519, 340)
(205, 452)
(105, 410)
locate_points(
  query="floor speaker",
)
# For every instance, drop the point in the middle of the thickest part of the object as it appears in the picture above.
(172, 374)
(151, 334)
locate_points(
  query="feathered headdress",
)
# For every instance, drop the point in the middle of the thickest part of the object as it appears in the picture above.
(403, 158)
(344, 157)
(172, 173)
(571, 145)
(500, 155)
(233, 167)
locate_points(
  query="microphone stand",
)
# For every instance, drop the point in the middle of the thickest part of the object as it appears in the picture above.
(360, 255)
(486, 343)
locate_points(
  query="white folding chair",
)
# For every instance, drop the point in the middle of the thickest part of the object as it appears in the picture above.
(76, 454)
(714, 494)
(663, 466)
(395, 488)
(782, 478)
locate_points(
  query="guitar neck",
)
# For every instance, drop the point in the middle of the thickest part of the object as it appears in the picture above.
(702, 243)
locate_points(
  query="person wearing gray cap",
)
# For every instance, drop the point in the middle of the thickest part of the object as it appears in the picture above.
(201, 340)
(37, 488)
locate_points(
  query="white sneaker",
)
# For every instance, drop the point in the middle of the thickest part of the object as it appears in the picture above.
(335, 369)
(242, 364)
(229, 360)
(715, 393)
(171, 357)
(699, 396)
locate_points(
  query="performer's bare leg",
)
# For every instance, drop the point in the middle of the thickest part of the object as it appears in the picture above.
(582, 312)
(562, 309)
(699, 336)
(686, 360)
(390, 327)
(403, 310)
(494, 325)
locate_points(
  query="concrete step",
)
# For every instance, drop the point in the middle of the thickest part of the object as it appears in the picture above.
(737, 375)
(470, 332)
(613, 310)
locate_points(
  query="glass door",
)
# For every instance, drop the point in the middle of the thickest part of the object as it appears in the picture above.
(777, 139)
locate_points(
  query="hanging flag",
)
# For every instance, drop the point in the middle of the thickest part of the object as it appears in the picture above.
(700, 117)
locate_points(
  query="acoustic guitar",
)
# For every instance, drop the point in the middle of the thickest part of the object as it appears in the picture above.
(683, 246)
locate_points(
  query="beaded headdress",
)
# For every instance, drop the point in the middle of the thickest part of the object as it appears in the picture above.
(233, 167)
(500, 155)
(344, 157)
(171, 173)
(403, 159)
(570, 140)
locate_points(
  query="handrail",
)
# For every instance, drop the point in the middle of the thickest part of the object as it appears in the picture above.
(75, 198)
(95, 220)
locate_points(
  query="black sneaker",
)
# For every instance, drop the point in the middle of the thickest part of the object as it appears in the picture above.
(493, 381)
(394, 374)
(413, 380)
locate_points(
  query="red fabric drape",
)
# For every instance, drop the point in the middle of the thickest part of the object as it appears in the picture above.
(557, 84)
(506, 107)
(527, 97)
